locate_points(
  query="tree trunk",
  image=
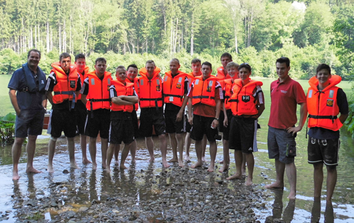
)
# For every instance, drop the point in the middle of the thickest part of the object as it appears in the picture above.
(48, 46)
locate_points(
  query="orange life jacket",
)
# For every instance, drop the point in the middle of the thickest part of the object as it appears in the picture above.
(66, 84)
(204, 91)
(173, 88)
(123, 89)
(221, 76)
(82, 78)
(243, 101)
(191, 78)
(136, 88)
(229, 83)
(322, 105)
(150, 90)
(98, 94)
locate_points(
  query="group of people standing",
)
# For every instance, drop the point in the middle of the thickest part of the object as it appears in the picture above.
(94, 103)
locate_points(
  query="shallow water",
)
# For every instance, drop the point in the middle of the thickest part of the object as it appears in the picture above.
(83, 185)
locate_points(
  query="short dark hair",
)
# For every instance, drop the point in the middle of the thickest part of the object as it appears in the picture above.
(226, 55)
(80, 56)
(34, 50)
(196, 60)
(284, 60)
(64, 55)
(133, 66)
(100, 59)
(120, 67)
(323, 66)
(245, 65)
(150, 61)
(175, 59)
(207, 63)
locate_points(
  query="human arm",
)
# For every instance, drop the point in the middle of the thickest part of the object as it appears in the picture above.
(49, 96)
(181, 110)
(226, 121)
(303, 114)
(215, 122)
(190, 114)
(125, 100)
(13, 98)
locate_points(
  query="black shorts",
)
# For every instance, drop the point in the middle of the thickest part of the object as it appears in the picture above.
(121, 128)
(225, 130)
(99, 122)
(151, 117)
(62, 120)
(135, 123)
(323, 151)
(241, 134)
(201, 126)
(80, 112)
(29, 122)
(188, 126)
(171, 125)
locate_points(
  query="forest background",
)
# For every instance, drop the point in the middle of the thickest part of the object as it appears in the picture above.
(309, 32)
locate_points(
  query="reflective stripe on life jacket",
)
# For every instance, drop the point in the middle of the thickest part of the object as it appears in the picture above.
(82, 78)
(126, 90)
(150, 90)
(98, 94)
(228, 87)
(204, 91)
(66, 84)
(243, 100)
(173, 88)
(322, 105)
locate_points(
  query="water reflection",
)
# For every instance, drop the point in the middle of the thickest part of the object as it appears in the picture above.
(277, 211)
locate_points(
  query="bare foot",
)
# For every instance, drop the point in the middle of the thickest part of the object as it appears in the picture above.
(197, 164)
(32, 170)
(203, 158)
(116, 163)
(133, 161)
(122, 167)
(235, 176)
(173, 160)
(180, 163)
(108, 170)
(165, 164)
(211, 169)
(248, 182)
(15, 176)
(73, 165)
(94, 166)
(104, 166)
(274, 185)
(50, 168)
(152, 159)
(222, 161)
(224, 168)
(85, 161)
(292, 196)
(186, 158)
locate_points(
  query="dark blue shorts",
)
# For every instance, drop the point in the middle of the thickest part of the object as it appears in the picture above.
(281, 145)
(29, 122)
(121, 128)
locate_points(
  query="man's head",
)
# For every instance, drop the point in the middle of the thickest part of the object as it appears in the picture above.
(245, 71)
(283, 67)
(65, 61)
(206, 69)
(196, 66)
(323, 73)
(33, 58)
(121, 73)
(150, 67)
(225, 59)
(100, 66)
(174, 65)
(80, 62)
(132, 72)
(232, 69)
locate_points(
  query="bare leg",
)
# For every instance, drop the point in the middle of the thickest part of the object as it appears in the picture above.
(238, 161)
(204, 144)
(92, 149)
(110, 151)
(188, 145)
(279, 182)
(250, 167)
(212, 149)
(51, 151)
(243, 168)
(133, 151)
(318, 179)
(226, 155)
(150, 146)
(116, 153)
(31, 148)
(198, 149)
(291, 173)
(331, 182)
(174, 147)
(83, 149)
(163, 148)
(124, 155)
(180, 148)
(16, 154)
(71, 148)
(104, 146)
